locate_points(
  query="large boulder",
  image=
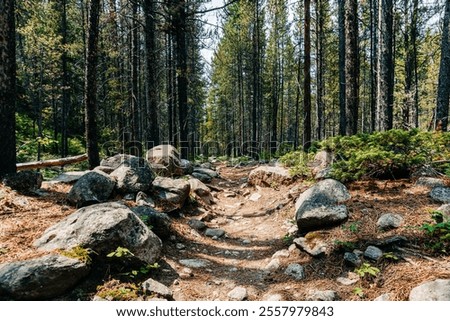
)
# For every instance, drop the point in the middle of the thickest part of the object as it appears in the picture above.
(441, 194)
(319, 206)
(42, 278)
(24, 182)
(171, 193)
(270, 175)
(201, 190)
(133, 176)
(165, 160)
(159, 223)
(438, 290)
(103, 228)
(93, 187)
(117, 160)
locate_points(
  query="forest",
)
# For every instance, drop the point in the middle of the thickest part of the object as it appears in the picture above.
(233, 78)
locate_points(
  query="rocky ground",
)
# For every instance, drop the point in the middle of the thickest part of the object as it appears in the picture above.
(242, 247)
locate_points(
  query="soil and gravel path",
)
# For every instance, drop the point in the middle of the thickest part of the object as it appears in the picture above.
(257, 247)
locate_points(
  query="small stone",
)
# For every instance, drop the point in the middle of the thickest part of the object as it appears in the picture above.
(313, 246)
(441, 194)
(346, 281)
(197, 224)
(317, 295)
(212, 232)
(430, 182)
(238, 294)
(389, 221)
(383, 297)
(195, 263)
(151, 286)
(180, 246)
(255, 197)
(281, 253)
(272, 297)
(129, 197)
(373, 253)
(246, 242)
(352, 259)
(438, 290)
(273, 265)
(229, 194)
(296, 271)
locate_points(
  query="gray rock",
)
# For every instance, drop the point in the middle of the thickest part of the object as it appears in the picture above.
(171, 193)
(197, 224)
(445, 210)
(347, 281)
(317, 295)
(186, 167)
(255, 197)
(270, 175)
(202, 177)
(103, 228)
(205, 171)
(142, 199)
(24, 182)
(316, 218)
(389, 221)
(195, 263)
(133, 177)
(214, 232)
(437, 290)
(93, 187)
(273, 265)
(373, 253)
(441, 194)
(317, 207)
(383, 297)
(281, 253)
(117, 160)
(201, 190)
(165, 160)
(159, 223)
(238, 294)
(67, 177)
(151, 286)
(295, 271)
(430, 182)
(105, 169)
(396, 240)
(207, 165)
(314, 247)
(42, 278)
(352, 259)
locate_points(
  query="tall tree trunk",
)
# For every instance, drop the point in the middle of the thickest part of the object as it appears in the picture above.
(373, 63)
(152, 71)
(443, 94)
(410, 103)
(91, 85)
(256, 75)
(7, 88)
(320, 62)
(385, 65)
(342, 50)
(307, 130)
(65, 81)
(134, 94)
(351, 67)
(179, 26)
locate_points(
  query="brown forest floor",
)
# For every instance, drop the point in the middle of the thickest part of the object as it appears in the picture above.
(254, 232)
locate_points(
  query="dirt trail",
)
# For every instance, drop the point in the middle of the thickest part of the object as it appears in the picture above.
(256, 222)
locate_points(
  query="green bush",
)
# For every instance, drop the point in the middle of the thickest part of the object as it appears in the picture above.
(391, 154)
(297, 161)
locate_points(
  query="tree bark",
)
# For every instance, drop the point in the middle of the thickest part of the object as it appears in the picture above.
(385, 65)
(152, 71)
(443, 94)
(7, 88)
(351, 67)
(52, 162)
(342, 115)
(307, 135)
(91, 85)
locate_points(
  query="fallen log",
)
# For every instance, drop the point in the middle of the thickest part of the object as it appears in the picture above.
(51, 162)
